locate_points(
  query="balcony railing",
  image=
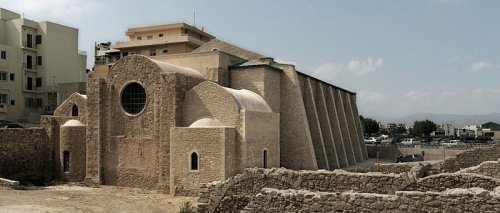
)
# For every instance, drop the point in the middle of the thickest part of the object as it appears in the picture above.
(29, 45)
(158, 41)
(29, 66)
(29, 87)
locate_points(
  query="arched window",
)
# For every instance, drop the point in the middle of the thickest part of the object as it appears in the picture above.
(74, 110)
(265, 158)
(194, 161)
(66, 161)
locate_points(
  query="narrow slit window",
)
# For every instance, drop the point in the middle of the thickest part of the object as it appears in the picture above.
(194, 161)
(74, 110)
(265, 158)
(66, 161)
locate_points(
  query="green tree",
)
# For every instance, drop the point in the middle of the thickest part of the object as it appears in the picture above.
(370, 126)
(400, 130)
(424, 128)
(383, 132)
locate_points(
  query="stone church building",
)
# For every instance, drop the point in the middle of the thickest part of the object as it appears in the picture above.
(171, 122)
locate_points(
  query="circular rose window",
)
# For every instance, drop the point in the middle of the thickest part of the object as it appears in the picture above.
(133, 98)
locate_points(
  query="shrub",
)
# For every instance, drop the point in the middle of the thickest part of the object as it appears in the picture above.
(187, 208)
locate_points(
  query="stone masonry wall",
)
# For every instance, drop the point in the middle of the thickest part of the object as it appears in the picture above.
(261, 132)
(66, 108)
(238, 190)
(296, 148)
(8, 183)
(419, 168)
(234, 193)
(24, 155)
(471, 158)
(488, 168)
(209, 144)
(456, 200)
(442, 182)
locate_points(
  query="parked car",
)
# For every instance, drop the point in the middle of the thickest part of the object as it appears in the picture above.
(371, 140)
(480, 141)
(409, 141)
(425, 140)
(396, 140)
(10, 125)
(452, 142)
(412, 158)
(436, 141)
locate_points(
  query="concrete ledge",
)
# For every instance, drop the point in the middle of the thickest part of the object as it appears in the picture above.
(9, 183)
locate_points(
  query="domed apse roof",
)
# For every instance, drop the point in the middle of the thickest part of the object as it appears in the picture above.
(249, 100)
(73, 123)
(166, 67)
(206, 122)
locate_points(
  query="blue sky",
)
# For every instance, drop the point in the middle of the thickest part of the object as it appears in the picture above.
(400, 57)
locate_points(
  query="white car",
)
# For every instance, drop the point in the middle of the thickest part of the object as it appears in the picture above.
(371, 140)
(409, 141)
(452, 143)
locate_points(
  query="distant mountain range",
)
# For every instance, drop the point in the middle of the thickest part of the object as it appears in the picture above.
(455, 120)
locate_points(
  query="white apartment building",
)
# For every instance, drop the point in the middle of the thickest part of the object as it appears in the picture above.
(35, 57)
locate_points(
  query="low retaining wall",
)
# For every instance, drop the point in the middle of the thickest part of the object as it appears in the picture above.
(8, 183)
(430, 154)
(471, 158)
(442, 182)
(488, 168)
(456, 200)
(235, 193)
(418, 168)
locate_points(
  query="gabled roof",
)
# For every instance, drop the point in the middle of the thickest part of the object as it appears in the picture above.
(252, 64)
(216, 44)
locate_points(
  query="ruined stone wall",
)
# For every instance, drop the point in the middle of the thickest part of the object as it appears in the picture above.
(457, 200)
(211, 146)
(420, 169)
(261, 132)
(471, 158)
(441, 182)
(239, 189)
(232, 194)
(488, 168)
(8, 183)
(25, 155)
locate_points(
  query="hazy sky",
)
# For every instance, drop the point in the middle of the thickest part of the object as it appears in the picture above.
(400, 57)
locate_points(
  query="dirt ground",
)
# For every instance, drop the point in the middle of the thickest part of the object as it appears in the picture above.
(68, 198)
